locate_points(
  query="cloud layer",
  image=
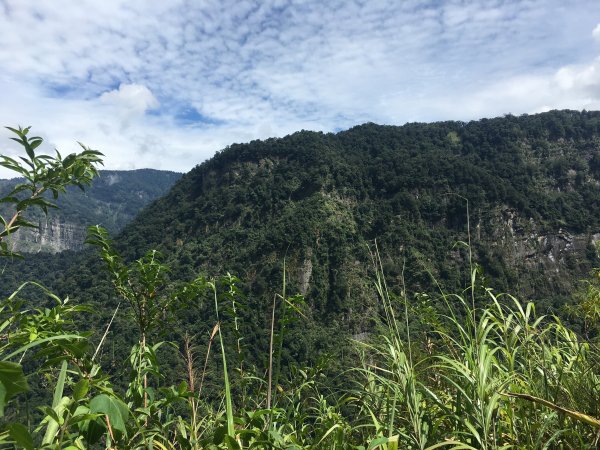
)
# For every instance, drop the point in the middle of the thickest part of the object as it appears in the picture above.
(166, 84)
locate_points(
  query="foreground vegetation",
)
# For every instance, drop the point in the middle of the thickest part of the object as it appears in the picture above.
(484, 372)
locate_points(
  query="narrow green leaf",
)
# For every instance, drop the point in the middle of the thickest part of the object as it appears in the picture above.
(62, 337)
(572, 414)
(60, 385)
(20, 434)
(56, 415)
(12, 382)
(377, 442)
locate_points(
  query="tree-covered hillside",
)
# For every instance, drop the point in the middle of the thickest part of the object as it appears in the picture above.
(399, 339)
(318, 200)
(318, 203)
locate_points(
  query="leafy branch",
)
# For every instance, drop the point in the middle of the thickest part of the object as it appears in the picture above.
(41, 174)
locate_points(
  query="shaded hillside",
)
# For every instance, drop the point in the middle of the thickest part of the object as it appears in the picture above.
(113, 200)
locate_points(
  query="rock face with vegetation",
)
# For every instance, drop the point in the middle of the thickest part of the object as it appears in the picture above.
(115, 199)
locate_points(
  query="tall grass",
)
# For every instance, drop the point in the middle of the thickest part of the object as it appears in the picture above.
(479, 370)
(497, 377)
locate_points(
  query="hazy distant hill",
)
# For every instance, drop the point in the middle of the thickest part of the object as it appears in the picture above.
(113, 200)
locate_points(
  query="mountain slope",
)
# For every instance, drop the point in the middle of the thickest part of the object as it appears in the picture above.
(317, 203)
(318, 200)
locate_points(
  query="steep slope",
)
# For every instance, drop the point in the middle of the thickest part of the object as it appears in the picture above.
(114, 199)
(319, 200)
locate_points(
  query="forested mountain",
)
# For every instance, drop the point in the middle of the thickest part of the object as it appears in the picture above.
(317, 203)
(114, 199)
(429, 351)
(320, 200)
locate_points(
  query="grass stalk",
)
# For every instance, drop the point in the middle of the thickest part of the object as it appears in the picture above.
(270, 368)
(228, 400)
(105, 332)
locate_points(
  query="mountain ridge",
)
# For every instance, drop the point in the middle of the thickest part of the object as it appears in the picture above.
(315, 206)
(316, 199)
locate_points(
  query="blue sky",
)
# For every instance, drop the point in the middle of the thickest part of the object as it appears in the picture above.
(165, 84)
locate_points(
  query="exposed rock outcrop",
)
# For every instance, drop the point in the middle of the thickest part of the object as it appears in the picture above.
(52, 235)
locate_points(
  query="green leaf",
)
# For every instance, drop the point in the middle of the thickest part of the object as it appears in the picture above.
(81, 389)
(89, 427)
(50, 413)
(377, 442)
(61, 337)
(34, 142)
(20, 434)
(14, 130)
(57, 417)
(232, 444)
(29, 150)
(116, 411)
(60, 385)
(219, 435)
(572, 414)
(12, 382)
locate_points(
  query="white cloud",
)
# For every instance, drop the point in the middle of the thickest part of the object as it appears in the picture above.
(582, 80)
(129, 102)
(596, 33)
(131, 97)
(194, 77)
(570, 87)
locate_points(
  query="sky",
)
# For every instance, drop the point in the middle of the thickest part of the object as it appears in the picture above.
(166, 84)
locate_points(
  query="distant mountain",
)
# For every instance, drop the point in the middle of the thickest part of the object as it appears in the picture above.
(113, 200)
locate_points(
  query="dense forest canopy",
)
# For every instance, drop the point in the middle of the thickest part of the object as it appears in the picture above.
(322, 197)
(531, 185)
(318, 202)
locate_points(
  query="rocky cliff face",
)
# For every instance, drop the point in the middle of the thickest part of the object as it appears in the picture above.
(527, 243)
(525, 246)
(52, 235)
